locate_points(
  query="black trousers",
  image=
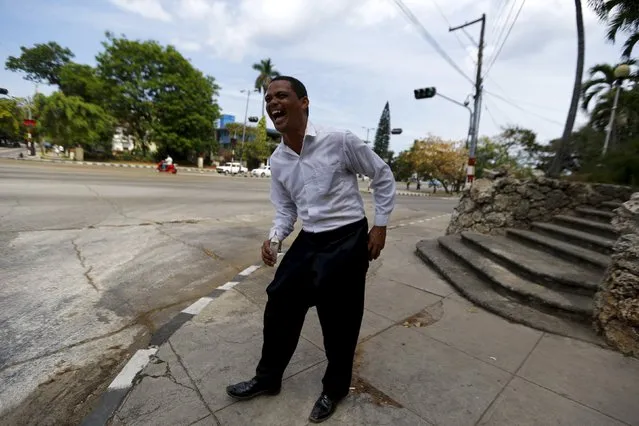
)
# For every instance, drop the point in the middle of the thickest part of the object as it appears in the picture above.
(327, 270)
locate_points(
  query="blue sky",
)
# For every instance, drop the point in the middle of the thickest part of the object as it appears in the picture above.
(353, 55)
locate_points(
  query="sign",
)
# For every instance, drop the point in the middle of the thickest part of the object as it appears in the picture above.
(29, 123)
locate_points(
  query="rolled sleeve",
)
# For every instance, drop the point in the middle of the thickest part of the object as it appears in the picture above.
(360, 158)
(285, 211)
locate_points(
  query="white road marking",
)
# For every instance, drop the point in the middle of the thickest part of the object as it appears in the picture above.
(138, 361)
(229, 285)
(197, 307)
(248, 271)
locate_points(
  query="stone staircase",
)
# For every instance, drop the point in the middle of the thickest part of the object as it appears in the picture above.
(545, 277)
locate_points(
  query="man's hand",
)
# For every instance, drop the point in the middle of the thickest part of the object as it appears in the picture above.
(267, 255)
(376, 241)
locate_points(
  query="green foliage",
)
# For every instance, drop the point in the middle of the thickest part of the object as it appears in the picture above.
(402, 167)
(41, 63)
(11, 116)
(492, 155)
(266, 72)
(82, 81)
(158, 95)
(382, 134)
(622, 16)
(521, 145)
(71, 122)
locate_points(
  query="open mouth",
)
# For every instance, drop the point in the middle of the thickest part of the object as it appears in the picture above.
(278, 115)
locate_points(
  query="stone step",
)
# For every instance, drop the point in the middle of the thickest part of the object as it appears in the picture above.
(611, 205)
(535, 265)
(579, 238)
(482, 293)
(567, 251)
(604, 216)
(605, 230)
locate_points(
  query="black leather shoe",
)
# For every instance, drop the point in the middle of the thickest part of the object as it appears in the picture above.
(250, 389)
(323, 409)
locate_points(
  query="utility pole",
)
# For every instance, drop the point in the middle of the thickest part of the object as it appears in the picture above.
(248, 96)
(478, 95)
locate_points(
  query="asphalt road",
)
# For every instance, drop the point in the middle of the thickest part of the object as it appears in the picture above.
(93, 260)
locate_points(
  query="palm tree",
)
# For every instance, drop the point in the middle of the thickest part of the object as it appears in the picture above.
(557, 165)
(266, 71)
(601, 82)
(621, 16)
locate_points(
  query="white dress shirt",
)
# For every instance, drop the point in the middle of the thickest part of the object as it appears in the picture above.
(320, 184)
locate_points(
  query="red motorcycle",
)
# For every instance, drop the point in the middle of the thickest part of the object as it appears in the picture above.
(170, 168)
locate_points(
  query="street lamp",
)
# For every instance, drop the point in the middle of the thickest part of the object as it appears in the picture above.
(368, 129)
(621, 72)
(248, 96)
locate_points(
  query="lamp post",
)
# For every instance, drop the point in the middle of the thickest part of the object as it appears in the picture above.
(248, 96)
(368, 129)
(621, 72)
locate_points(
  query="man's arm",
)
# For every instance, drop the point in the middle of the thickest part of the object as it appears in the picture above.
(285, 211)
(361, 159)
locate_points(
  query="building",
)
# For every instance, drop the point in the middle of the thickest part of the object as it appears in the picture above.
(226, 139)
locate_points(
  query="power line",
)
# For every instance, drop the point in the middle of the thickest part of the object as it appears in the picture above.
(461, 43)
(523, 109)
(517, 101)
(492, 117)
(506, 38)
(424, 32)
(500, 14)
(501, 112)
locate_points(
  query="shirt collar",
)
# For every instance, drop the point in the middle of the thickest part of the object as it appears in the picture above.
(310, 132)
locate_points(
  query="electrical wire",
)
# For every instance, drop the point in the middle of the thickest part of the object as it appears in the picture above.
(461, 43)
(429, 38)
(492, 117)
(505, 39)
(523, 109)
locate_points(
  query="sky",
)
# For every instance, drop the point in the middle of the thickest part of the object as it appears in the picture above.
(352, 55)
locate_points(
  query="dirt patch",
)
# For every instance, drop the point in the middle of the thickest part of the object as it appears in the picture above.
(426, 317)
(67, 395)
(359, 386)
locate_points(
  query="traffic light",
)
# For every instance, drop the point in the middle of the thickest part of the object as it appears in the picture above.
(253, 119)
(4, 91)
(427, 92)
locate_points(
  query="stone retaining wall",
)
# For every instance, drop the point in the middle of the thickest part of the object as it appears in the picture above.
(617, 302)
(492, 206)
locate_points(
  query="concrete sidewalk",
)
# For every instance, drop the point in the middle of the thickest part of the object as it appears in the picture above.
(426, 356)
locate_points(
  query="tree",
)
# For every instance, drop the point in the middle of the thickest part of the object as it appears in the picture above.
(601, 82)
(41, 63)
(435, 158)
(382, 134)
(83, 81)
(259, 149)
(267, 72)
(621, 16)
(158, 96)
(491, 154)
(403, 166)
(555, 168)
(521, 145)
(11, 116)
(71, 122)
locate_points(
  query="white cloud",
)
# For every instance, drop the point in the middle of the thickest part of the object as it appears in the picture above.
(186, 45)
(150, 9)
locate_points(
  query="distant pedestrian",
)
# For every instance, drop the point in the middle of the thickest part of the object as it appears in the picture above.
(314, 177)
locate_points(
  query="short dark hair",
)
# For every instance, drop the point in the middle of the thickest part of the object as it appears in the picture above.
(298, 86)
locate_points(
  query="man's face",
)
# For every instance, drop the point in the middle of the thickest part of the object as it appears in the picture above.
(286, 110)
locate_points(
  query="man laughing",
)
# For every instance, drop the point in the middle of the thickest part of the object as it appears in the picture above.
(314, 177)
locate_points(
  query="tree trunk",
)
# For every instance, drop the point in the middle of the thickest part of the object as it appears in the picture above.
(557, 163)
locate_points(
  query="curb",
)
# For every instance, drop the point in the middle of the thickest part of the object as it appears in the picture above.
(111, 399)
(414, 194)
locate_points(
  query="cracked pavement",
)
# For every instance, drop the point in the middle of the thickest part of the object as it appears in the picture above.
(94, 259)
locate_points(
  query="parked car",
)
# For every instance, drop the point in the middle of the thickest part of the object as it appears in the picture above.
(232, 169)
(264, 171)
